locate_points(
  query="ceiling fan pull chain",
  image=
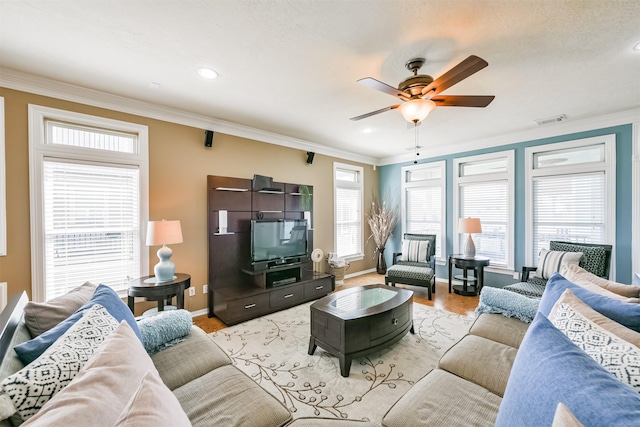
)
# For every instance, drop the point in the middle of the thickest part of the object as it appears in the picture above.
(415, 161)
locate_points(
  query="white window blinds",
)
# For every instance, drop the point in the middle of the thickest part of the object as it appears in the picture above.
(91, 225)
(348, 199)
(568, 208)
(424, 212)
(489, 202)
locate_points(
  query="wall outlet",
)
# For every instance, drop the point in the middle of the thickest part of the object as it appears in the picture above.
(205, 289)
(192, 292)
(516, 275)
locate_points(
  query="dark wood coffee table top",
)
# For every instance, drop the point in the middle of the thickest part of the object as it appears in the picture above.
(362, 301)
(357, 321)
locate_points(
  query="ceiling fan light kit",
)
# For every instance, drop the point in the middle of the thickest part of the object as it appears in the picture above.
(416, 110)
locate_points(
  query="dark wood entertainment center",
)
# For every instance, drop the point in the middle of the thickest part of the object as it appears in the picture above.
(237, 292)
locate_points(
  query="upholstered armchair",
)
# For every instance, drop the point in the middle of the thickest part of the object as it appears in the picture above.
(416, 264)
(595, 258)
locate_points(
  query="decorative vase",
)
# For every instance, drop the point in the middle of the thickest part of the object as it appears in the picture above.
(381, 267)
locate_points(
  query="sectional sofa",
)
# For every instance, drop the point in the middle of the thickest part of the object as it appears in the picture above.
(504, 372)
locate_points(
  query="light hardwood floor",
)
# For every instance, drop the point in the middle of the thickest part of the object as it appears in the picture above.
(442, 299)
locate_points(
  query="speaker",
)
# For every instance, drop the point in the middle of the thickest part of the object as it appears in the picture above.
(222, 221)
(310, 155)
(208, 138)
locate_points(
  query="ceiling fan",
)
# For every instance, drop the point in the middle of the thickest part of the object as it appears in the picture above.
(420, 93)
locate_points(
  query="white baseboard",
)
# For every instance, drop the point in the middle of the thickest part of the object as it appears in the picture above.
(202, 311)
(359, 273)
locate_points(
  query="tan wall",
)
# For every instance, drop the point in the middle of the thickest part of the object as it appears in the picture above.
(178, 165)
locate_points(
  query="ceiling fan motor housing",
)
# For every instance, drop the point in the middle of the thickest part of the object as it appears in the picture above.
(414, 84)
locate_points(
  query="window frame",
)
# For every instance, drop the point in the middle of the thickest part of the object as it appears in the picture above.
(39, 150)
(509, 175)
(609, 169)
(442, 165)
(359, 185)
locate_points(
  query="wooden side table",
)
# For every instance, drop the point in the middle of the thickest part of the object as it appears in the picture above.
(149, 288)
(471, 285)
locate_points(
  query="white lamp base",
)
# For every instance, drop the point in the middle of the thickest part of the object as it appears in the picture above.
(469, 248)
(165, 269)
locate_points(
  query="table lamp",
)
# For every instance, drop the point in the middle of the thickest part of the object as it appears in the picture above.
(164, 233)
(469, 225)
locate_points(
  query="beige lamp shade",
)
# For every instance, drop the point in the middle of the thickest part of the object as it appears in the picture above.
(469, 225)
(163, 233)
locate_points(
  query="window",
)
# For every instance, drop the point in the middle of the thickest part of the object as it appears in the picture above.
(423, 201)
(89, 201)
(348, 201)
(484, 188)
(570, 193)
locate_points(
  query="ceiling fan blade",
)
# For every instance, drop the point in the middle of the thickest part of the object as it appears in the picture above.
(383, 87)
(462, 100)
(373, 113)
(466, 68)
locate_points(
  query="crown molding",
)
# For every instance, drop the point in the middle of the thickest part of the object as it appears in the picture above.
(30, 83)
(547, 131)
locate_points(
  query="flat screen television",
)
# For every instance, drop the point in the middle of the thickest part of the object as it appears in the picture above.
(276, 242)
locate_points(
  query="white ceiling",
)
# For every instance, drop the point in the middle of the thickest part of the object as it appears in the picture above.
(290, 67)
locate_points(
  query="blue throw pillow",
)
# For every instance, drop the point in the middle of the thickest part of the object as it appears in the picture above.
(164, 329)
(625, 313)
(105, 296)
(550, 369)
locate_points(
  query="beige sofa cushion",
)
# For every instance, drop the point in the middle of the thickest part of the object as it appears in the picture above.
(227, 397)
(580, 276)
(329, 422)
(189, 359)
(481, 361)
(39, 317)
(496, 327)
(443, 399)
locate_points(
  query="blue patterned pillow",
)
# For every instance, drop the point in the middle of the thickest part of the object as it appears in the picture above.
(625, 313)
(550, 369)
(105, 296)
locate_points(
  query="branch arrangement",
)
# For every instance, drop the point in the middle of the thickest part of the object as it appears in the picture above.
(382, 220)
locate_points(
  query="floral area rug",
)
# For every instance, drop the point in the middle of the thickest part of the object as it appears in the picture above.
(272, 350)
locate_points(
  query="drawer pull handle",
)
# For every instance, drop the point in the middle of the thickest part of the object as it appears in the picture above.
(319, 287)
(249, 306)
(394, 321)
(288, 295)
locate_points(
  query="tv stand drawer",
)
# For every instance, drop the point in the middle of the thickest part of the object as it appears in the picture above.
(248, 307)
(284, 297)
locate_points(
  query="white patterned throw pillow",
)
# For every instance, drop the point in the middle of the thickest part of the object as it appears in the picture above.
(619, 357)
(415, 250)
(550, 262)
(34, 385)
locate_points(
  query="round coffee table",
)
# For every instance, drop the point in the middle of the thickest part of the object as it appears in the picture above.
(357, 321)
(149, 288)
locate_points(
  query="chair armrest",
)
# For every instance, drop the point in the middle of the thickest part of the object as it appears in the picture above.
(432, 262)
(395, 257)
(525, 273)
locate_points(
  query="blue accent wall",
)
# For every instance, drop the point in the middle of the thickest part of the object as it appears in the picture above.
(391, 183)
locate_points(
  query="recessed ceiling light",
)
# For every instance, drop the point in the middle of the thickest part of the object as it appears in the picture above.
(637, 47)
(207, 73)
(367, 130)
